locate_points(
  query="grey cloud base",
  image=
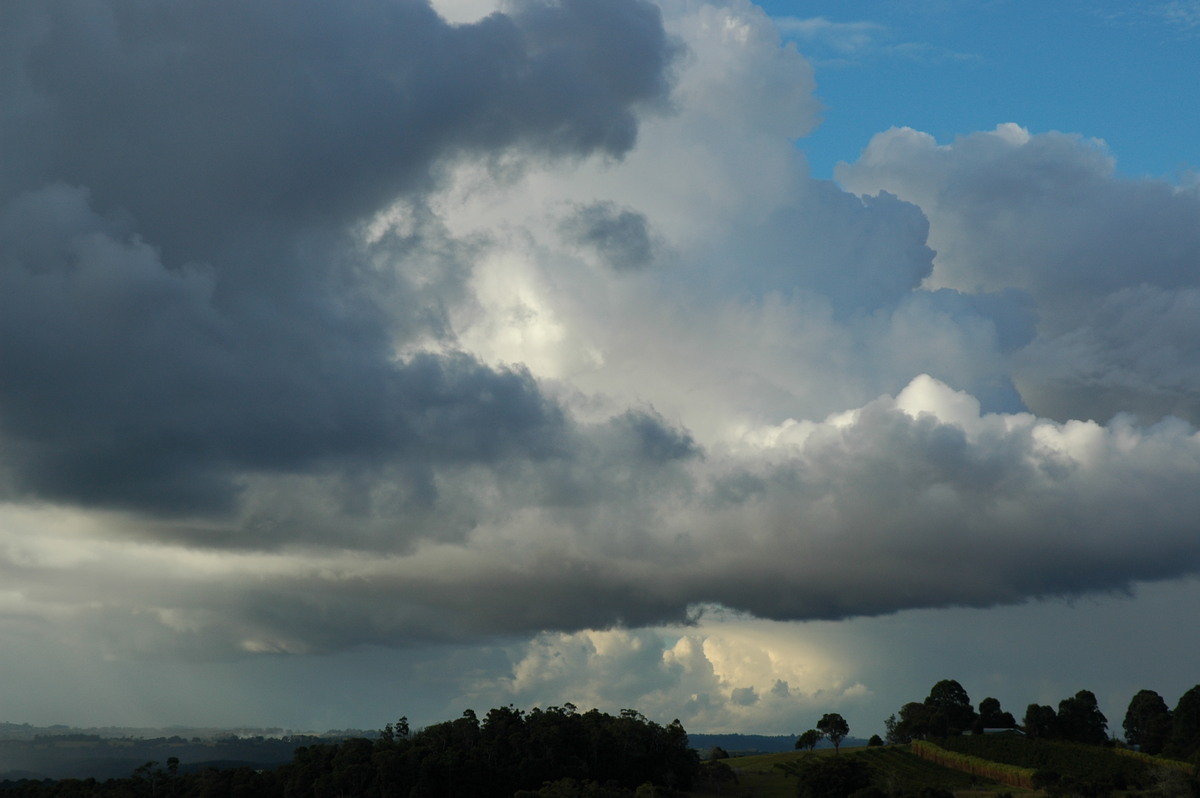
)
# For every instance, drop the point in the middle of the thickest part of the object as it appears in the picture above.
(886, 512)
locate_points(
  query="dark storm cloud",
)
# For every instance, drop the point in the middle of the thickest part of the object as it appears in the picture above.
(183, 302)
(212, 121)
(619, 236)
(124, 385)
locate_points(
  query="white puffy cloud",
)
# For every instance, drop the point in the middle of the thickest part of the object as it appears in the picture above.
(724, 672)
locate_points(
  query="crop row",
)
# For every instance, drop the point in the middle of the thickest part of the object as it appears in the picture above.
(1156, 761)
(1069, 759)
(899, 771)
(996, 771)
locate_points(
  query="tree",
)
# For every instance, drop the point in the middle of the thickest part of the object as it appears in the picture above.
(1040, 721)
(914, 723)
(1147, 722)
(1185, 725)
(875, 741)
(992, 717)
(950, 709)
(1080, 719)
(835, 727)
(714, 775)
(825, 777)
(808, 739)
(893, 733)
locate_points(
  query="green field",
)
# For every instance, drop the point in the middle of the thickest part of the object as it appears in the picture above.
(894, 770)
(1116, 770)
(897, 771)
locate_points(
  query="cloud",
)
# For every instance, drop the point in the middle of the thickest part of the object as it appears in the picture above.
(744, 696)
(128, 386)
(1181, 15)
(362, 328)
(832, 44)
(1108, 262)
(1184, 15)
(914, 502)
(186, 304)
(621, 238)
(723, 673)
(843, 37)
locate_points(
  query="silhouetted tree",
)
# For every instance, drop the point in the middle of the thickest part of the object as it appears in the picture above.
(1147, 722)
(893, 733)
(915, 722)
(1080, 719)
(808, 740)
(835, 727)
(1185, 725)
(1040, 721)
(950, 709)
(991, 716)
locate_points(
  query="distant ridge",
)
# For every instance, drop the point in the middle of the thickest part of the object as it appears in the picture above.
(29, 731)
(742, 744)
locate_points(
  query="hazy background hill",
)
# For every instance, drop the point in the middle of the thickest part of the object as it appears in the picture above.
(60, 752)
(743, 744)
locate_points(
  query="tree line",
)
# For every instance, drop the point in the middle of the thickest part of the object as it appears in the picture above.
(1149, 725)
(509, 752)
(946, 714)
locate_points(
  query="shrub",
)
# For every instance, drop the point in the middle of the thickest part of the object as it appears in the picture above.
(832, 777)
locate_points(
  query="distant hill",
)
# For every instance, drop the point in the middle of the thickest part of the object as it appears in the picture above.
(28, 731)
(746, 744)
(91, 756)
(62, 752)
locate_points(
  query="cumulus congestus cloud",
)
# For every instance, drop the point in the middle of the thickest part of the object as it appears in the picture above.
(348, 325)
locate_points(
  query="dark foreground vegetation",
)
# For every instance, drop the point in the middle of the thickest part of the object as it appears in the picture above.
(553, 752)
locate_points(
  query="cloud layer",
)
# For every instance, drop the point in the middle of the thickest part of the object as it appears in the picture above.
(349, 325)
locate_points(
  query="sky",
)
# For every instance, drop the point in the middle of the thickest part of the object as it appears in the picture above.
(734, 364)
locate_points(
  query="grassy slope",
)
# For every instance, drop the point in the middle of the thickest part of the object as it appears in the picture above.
(1122, 769)
(894, 768)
